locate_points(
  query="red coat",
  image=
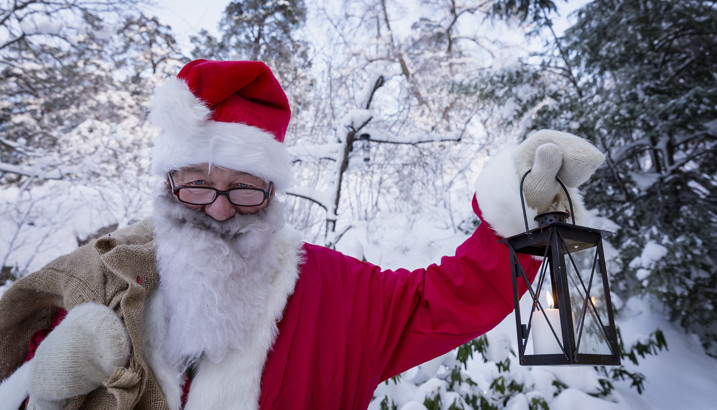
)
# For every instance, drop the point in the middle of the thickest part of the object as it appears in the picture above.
(349, 325)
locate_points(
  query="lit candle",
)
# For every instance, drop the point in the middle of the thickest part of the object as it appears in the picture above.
(544, 341)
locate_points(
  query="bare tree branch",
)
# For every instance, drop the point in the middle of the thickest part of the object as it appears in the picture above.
(458, 139)
(55, 174)
(308, 198)
(401, 60)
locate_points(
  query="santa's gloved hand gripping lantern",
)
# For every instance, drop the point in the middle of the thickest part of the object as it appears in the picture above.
(568, 318)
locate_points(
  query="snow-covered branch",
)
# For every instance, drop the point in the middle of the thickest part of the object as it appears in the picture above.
(308, 198)
(31, 172)
(315, 152)
(416, 141)
(322, 199)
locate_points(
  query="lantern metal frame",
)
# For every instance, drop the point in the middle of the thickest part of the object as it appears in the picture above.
(555, 241)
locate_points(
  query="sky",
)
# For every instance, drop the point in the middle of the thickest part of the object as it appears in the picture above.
(188, 17)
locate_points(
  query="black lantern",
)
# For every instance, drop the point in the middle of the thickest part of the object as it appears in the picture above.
(571, 319)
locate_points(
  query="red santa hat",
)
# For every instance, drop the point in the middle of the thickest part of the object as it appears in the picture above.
(232, 114)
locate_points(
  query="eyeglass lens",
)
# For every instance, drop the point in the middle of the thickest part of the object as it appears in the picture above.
(203, 196)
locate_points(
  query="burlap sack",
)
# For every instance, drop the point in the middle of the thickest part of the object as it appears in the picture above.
(117, 270)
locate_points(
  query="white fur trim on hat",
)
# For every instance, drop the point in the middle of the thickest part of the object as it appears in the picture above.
(188, 137)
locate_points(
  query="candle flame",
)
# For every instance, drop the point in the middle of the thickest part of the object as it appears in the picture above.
(551, 302)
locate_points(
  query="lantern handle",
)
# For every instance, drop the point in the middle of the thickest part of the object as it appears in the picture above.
(522, 200)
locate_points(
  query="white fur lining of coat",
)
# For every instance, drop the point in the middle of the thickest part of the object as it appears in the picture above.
(498, 195)
(234, 382)
(14, 389)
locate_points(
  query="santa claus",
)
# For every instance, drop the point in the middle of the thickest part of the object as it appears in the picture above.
(213, 303)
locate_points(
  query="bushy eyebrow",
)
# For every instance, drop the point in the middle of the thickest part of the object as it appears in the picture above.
(191, 169)
(192, 172)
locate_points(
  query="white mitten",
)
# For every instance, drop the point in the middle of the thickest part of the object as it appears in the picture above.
(546, 154)
(78, 355)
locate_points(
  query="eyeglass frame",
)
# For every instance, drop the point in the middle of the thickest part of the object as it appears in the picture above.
(175, 189)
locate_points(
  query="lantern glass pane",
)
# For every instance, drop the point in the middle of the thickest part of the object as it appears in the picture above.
(543, 316)
(587, 298)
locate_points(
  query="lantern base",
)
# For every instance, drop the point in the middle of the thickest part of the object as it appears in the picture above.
(562, 360)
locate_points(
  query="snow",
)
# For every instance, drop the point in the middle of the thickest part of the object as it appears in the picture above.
(47, 222)
(644, 180)
(499, 344)
(188, 17)
(699, 189)
(33, 171)
(650, 255)
(571, 399)
(325, 199)
(682, 377)
(303, 152)
(584, 379)
(362, 97)
(354, 119)
(41, 25)
(642, 274)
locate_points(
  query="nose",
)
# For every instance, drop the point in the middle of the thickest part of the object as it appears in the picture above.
(221, 209)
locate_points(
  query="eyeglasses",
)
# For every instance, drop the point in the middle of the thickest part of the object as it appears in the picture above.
(201, 195)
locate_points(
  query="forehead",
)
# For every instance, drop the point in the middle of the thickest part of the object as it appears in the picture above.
(215, 172)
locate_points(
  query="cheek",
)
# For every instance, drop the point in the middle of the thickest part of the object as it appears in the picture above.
(244, 210)
(194, 207)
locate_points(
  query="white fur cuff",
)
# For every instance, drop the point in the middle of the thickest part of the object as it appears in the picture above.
(13, 390)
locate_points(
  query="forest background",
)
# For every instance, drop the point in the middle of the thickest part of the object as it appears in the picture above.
(396, 105)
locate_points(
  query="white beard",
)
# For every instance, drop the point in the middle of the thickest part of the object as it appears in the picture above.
(215, 277)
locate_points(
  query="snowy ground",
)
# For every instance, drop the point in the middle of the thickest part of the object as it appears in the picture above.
(681, 378)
